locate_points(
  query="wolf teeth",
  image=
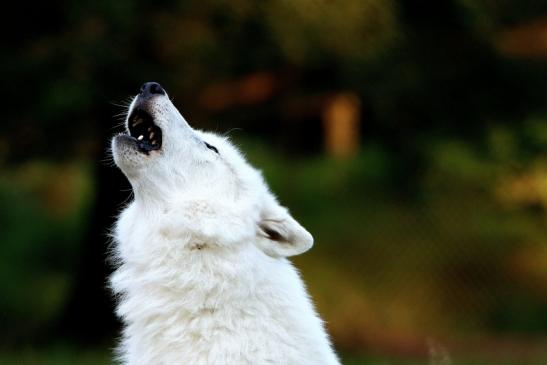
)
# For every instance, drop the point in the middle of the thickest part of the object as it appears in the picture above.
(140, 137)
(152, 134)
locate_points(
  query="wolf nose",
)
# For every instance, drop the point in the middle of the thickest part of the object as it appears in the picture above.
(151, 88)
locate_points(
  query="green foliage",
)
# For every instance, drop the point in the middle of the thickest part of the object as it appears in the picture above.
(312, 31)
(43, 209)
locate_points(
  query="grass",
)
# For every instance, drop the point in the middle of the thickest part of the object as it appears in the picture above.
(62, 355)
(55, 356)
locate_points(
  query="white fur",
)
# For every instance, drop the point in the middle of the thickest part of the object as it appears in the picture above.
(202, 273)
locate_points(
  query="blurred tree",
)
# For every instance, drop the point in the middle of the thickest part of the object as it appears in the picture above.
(421, 72)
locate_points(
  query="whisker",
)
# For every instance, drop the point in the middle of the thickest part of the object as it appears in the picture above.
(119, 124)
(225, 134)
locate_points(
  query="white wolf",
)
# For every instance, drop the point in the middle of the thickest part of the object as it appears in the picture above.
(203, 276)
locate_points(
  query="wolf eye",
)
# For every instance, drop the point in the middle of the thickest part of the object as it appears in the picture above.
(212, 148)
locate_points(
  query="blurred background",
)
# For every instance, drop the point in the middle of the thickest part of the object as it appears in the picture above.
(409, 137)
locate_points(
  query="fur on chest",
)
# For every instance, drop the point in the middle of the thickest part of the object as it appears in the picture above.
(247, 306)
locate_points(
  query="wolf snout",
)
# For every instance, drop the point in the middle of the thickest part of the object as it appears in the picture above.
(149, 89)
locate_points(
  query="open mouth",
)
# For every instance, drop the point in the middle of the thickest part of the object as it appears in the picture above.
(142, 128)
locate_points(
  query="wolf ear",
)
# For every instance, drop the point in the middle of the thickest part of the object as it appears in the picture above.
(279, 235)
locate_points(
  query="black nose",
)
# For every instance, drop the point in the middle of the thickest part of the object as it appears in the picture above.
(151, 88)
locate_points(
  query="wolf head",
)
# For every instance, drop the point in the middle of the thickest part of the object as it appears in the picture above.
(182, 171)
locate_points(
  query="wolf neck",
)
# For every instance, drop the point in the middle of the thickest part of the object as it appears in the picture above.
(150, 193)
(213, 286)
